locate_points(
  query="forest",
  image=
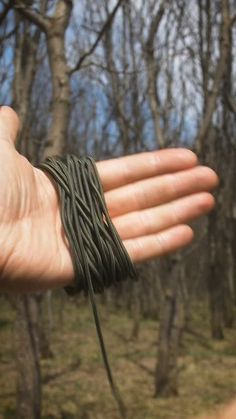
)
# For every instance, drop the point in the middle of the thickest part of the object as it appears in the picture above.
(108, 78)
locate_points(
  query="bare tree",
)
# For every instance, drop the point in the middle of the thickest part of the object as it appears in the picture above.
(115, 77)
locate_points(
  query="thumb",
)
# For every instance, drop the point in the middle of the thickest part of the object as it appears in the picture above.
(9, 124)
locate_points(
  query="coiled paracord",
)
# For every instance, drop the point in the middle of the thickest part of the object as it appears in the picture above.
(99, 256)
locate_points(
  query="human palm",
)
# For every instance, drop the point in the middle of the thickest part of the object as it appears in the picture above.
(150, 197)
(29, 220)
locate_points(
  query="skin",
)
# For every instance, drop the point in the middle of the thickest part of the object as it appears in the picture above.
(151, 198)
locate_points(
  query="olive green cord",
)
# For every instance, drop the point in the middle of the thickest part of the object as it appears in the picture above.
(99, 256)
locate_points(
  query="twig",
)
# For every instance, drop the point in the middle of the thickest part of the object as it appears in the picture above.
(106, 25)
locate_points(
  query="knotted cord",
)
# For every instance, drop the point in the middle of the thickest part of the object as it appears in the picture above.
(99, 256)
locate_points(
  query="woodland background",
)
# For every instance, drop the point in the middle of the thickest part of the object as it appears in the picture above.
(109, 78)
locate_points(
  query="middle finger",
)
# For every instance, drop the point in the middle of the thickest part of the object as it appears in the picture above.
(159, 190)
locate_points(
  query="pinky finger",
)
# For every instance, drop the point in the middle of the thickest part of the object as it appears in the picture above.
(167, 241)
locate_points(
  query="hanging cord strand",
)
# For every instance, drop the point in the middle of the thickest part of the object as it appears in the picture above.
(98, 254)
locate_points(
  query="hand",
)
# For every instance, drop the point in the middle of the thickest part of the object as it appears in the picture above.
(150, 196)
(227, 412)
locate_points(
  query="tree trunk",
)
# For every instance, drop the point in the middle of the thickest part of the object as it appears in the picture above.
(171, 327)
(228, 285)
(27, 358)
(26, 326)
(136, 312)
(214, 282)
(58, 130)
(152, 74)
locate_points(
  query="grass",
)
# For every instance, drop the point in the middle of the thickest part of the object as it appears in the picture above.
(74, 380)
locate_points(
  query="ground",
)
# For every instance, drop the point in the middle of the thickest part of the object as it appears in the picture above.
(74, 380)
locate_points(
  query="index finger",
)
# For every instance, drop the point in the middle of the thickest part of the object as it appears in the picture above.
(124, 170)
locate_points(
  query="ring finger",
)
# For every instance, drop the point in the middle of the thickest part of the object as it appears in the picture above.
(153, 220)
(159, 190)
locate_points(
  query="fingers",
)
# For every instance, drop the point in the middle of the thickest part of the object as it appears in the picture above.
(159, 190)
(9, 124)
(149, 247)
(117, 172)
(154, 220)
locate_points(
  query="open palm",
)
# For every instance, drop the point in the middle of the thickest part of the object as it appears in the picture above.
(150, 196)
(29, 218)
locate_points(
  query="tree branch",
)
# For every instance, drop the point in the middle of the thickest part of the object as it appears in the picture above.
(231, 103)
(233, 20)
(105, 27)
(8, 6)
(9, 34)
(34, 17)
(155, 23)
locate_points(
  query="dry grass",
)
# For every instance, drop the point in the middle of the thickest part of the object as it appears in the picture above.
(75, 384)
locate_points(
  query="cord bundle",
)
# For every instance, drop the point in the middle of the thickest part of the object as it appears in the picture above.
(98, 251)
(99, 256)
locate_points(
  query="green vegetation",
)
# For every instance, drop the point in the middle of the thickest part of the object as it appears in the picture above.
(74, 380)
